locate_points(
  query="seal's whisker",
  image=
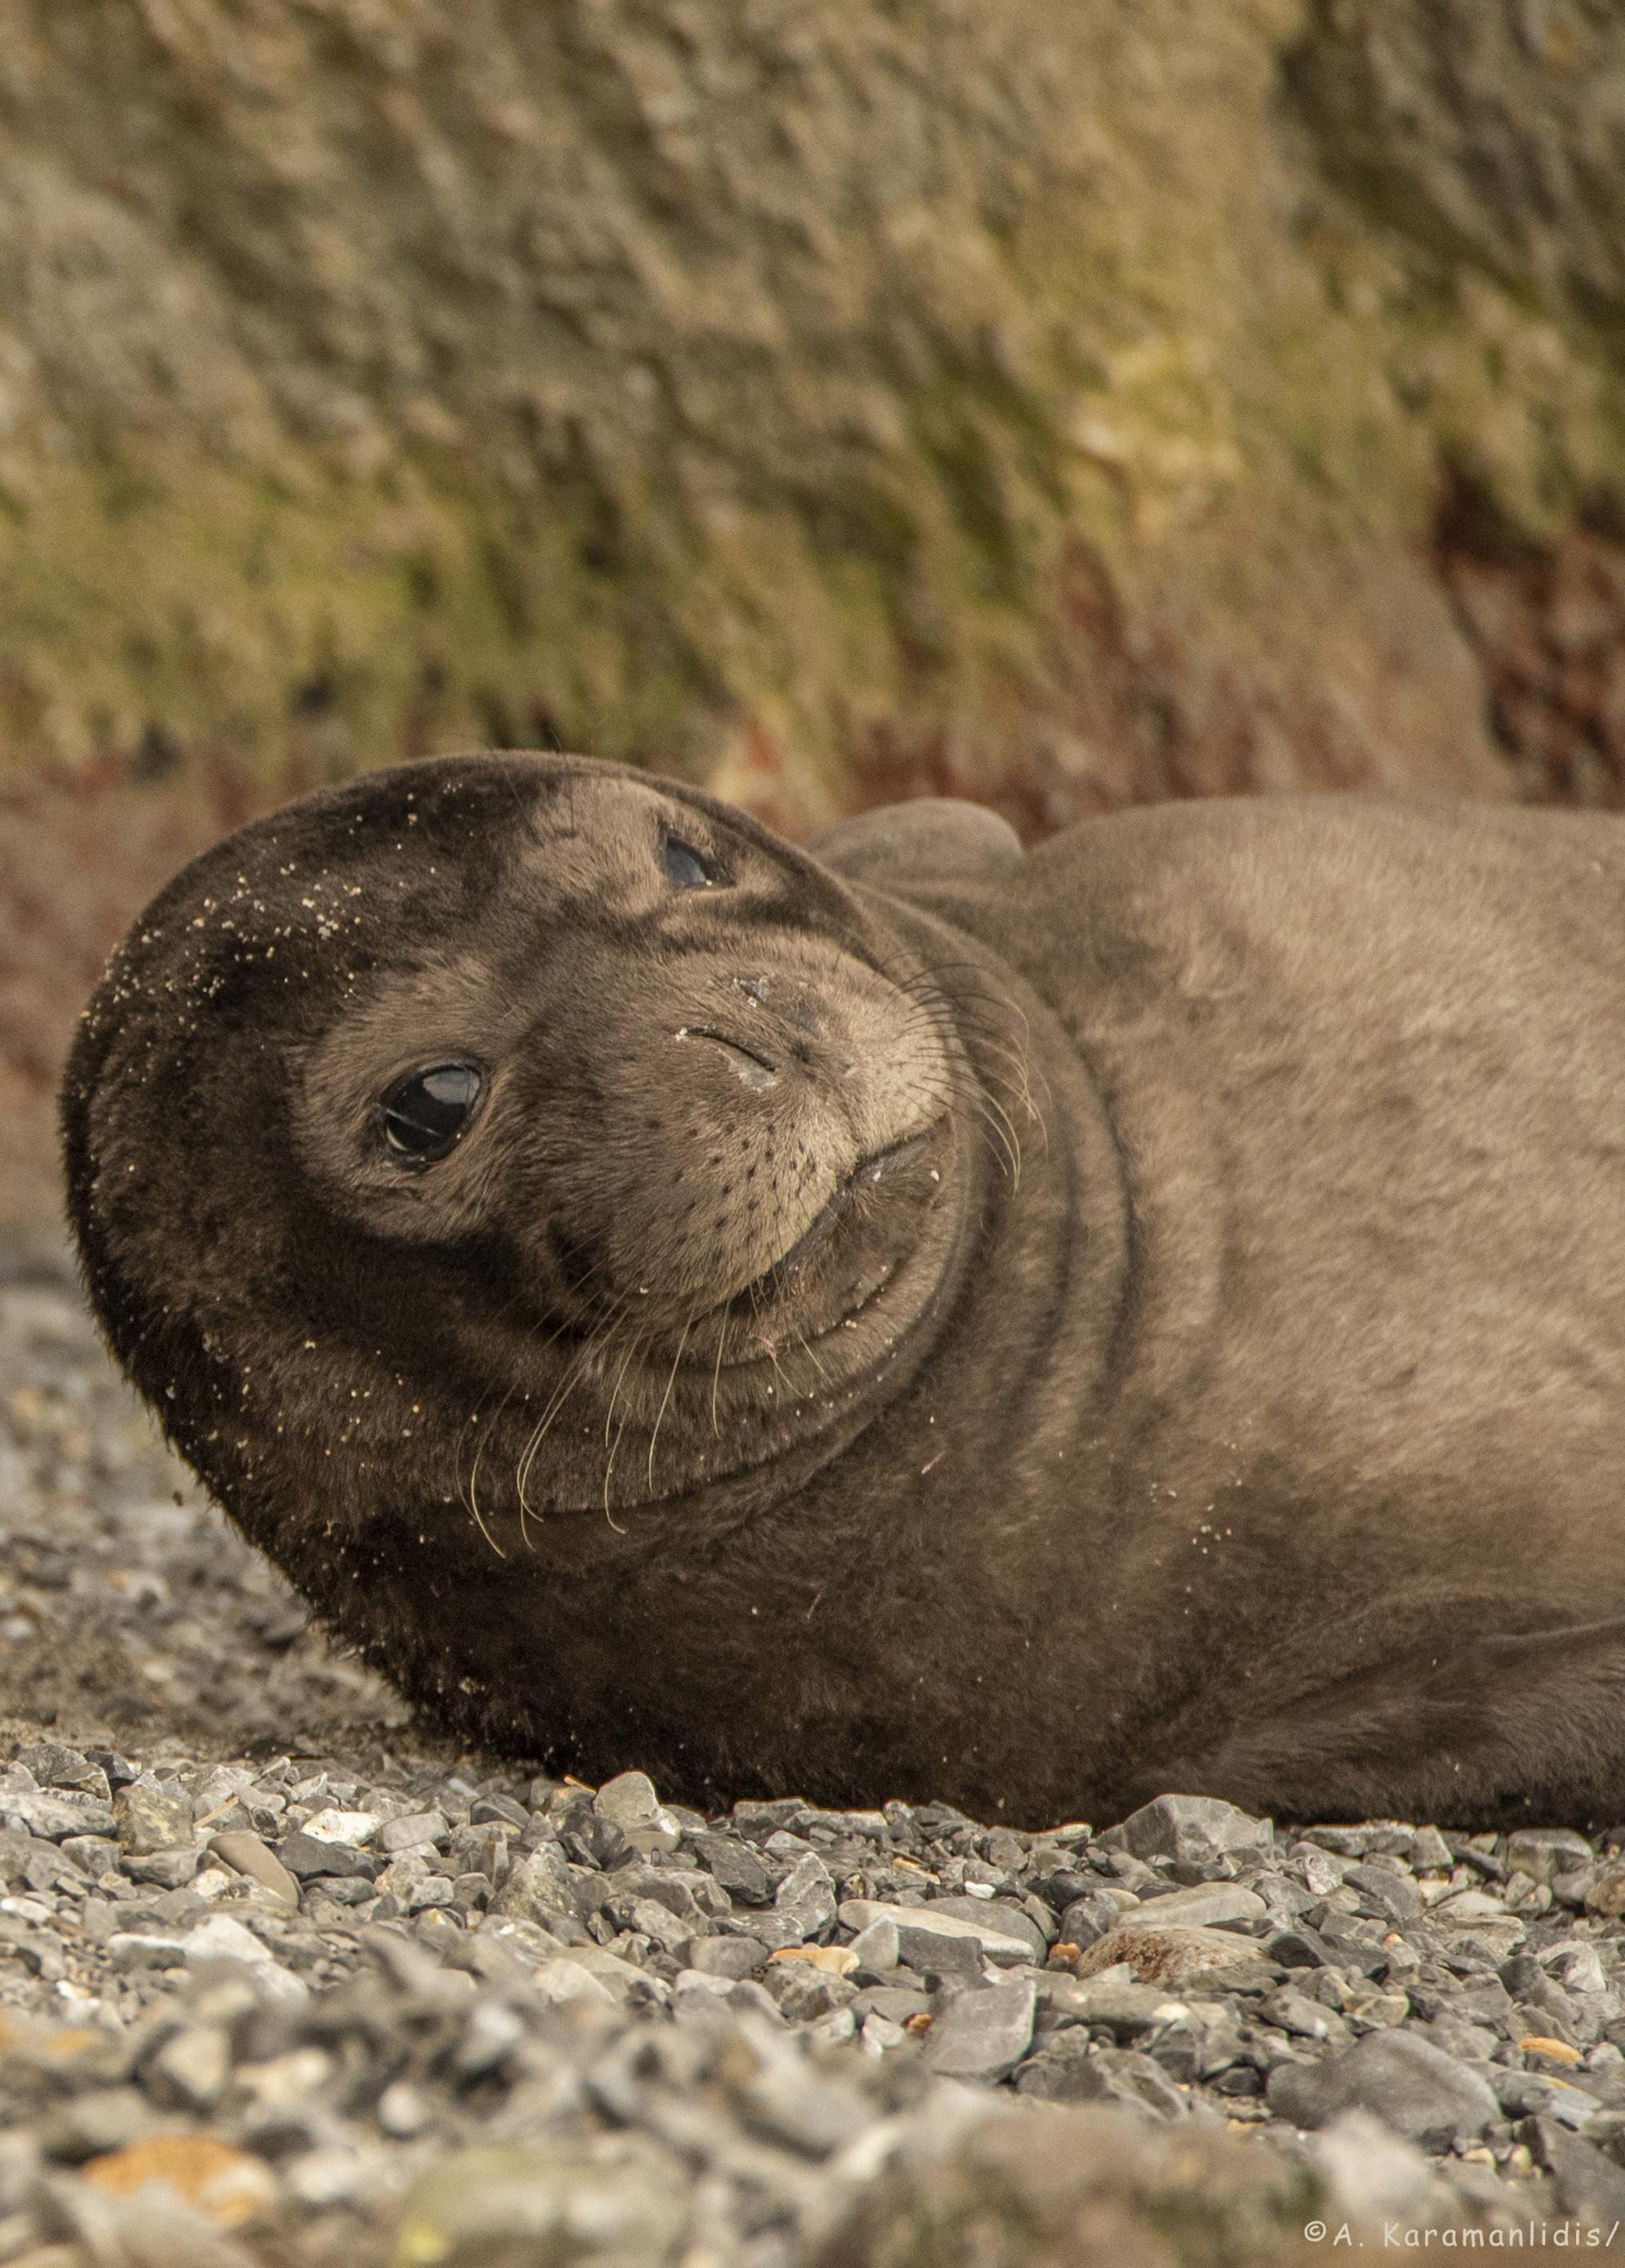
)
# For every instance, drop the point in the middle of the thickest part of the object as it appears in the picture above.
(615, 1445)
(939, 1014)
(634, 1346)
(473, 1418)
(575, 1370)
(807, 1349)
(973, 1009)
(953, 1006)
(716, 1375)
(670, 1382)
(1004, 1127)
(474, 1507)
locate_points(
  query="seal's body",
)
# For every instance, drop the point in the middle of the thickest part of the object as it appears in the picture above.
(915, 1321)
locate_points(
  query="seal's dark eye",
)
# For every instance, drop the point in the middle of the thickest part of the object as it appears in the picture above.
(427, 1113)
(688, 869)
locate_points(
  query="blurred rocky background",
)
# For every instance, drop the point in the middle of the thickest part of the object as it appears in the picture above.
(830, 400)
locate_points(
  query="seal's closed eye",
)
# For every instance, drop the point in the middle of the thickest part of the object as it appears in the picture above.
(689, 869)
(426, 1114)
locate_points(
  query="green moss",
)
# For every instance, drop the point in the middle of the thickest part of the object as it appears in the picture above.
(435, 383)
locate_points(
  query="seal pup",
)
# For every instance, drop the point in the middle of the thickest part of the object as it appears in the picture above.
(911, 1319)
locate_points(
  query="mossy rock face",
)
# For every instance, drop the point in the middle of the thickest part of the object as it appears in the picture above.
(1057, 403)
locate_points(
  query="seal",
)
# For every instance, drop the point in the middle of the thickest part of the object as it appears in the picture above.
(910, 1318)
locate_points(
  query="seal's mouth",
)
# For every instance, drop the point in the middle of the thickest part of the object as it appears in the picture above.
(865, 1174)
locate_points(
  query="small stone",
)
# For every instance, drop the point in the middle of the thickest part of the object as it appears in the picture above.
(1173, 1957)
(1305, 2019)
(930, 1954)
(787, 2104)
(1002, 1914)
(1095, 1915)
(499, 1810)
(226, 2186)
(54, 1764)
(1575, 1968)
(1545, 1852)
(983, 2034)
(730, 1958)
(833, 2030)
(1198, 1830)
(1541, 2094)
(282, 2082)
(876, 1947)
(648, 1918)
(403, 2111)
(801, 1993)
(893, 2001)
(150, 1816)
(1113, 2002)
(537, 1887)
(440, 1932)
(165, 1870)
(1376, 2174)
(835, 1960)
(191, 2068)
(324, 2176)
(55, 1815)
(805, 1901)
(695, 1994)
(1396, 1896)
(248, 1854)
(1605, 1895)
(310, 1858)
(1391, 1835)
(1204, 1905)
(1422, 2094)
(1432, 1855)
(1586, 2183)
(493, 2032)
(96, 2120)
(736, 1867)
(624, 2200)
(1120, 2075)
(350, 1828)
(561, 1981)
(629, 1801)
(417, 1830)
(1550, 2050)
(218, 1937)
(1469, 1907)
(994, 1941)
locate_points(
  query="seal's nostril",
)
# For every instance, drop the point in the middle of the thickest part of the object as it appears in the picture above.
(753, 1069)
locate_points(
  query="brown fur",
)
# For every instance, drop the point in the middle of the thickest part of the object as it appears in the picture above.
(1263, 1437)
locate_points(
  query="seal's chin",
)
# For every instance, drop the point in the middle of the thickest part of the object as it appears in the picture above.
(780, 1277)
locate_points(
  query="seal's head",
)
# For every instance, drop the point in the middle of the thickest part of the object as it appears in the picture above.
(509, 1136)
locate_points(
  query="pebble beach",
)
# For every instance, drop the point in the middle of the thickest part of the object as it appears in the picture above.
(284, 1980)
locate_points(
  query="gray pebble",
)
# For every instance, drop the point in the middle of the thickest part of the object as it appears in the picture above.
(1422, 2094)
(1199, 1830)
(1204, 1905)
(983, 2034)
